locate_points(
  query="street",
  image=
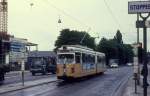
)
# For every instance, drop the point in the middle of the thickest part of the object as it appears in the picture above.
(17, 77)
(101, 85)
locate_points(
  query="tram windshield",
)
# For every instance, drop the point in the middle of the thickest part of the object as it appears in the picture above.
(65, 58)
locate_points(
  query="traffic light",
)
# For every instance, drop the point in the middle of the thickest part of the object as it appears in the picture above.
(140, 53)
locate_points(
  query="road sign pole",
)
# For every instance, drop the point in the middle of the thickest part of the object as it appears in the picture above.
(137, 29)
(145, 63)
(22, 71)
(145, 68)
(138, 74)
(136, 7)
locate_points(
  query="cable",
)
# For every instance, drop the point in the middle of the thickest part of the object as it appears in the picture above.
(84, 36)
(111, 13)
(65, 13)
(73, 18)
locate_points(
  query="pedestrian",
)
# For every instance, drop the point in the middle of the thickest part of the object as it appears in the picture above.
(144, 72)
(1, 75)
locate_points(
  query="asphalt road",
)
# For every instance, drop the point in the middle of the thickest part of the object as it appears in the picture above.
(101, 85)
(16, 77)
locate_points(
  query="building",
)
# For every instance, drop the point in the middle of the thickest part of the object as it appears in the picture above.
(18, 52)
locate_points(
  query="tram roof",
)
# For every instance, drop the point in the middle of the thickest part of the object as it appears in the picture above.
(75, 48)
(79, 48)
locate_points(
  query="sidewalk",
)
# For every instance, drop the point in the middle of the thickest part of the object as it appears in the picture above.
(28, 84)
(16, 72)
(130, 89)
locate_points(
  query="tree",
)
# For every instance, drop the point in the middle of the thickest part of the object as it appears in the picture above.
(115, 49)
(118, 37)
(73, 37)
(109, 47)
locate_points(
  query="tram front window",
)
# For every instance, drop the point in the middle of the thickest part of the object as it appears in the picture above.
(65, 59)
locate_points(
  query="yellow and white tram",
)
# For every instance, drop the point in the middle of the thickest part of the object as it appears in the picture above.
(75, 61)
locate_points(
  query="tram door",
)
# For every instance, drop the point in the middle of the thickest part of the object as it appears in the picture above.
(66, 59)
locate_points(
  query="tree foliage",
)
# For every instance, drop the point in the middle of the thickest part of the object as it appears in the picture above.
(73, 37)
(115, 49)
(118, 37)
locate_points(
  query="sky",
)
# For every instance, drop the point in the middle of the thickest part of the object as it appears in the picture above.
(39, 23)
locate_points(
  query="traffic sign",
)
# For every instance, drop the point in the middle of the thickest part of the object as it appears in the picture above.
(140, 24)
(135, 7)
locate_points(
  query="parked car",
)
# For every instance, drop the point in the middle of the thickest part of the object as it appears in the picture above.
(114, 65)
(129, 64)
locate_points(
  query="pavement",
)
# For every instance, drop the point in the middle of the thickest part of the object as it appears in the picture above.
(17, 72)
(27, 84)
(16, 77)
(130, 87)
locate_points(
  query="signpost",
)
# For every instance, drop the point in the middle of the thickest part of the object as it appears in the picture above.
(22, 71)
(135, 64)
(140, 7)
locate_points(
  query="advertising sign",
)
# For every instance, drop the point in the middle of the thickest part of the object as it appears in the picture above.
(135, 7)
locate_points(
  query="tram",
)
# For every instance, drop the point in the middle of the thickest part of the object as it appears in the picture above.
(75, 61)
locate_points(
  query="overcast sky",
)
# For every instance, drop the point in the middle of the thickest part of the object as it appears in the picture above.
(39, 23)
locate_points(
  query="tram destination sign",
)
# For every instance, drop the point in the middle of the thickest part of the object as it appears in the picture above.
(135, 7)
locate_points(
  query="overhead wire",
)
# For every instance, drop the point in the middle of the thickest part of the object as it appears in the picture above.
(73, 18)
(111, 13)
(67, 14)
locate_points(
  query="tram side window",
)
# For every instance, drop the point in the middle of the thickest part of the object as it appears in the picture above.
(92, 59)
(83, 58)
(99, 60)
(84, 65)
(77, 57)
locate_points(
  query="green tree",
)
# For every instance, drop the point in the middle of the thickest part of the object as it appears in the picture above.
(109, 47)
(115, 49)
(73, 37)
(118, 37)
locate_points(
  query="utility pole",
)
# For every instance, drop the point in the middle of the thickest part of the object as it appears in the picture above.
(3, 16)
(138, 41)
(4, 37)
(145, 68)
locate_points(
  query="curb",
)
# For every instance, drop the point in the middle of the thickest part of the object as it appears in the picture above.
(118, 91)
(28, 86)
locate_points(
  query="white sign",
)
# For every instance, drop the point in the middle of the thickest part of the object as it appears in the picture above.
(135, 69)
(135, 7)
(147, 24)
(135, 64)
(135, 59)
(22, 65)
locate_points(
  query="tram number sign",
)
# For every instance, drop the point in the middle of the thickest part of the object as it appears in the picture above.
(135, 7)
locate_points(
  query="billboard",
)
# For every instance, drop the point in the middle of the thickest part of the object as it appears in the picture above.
(135, 7)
